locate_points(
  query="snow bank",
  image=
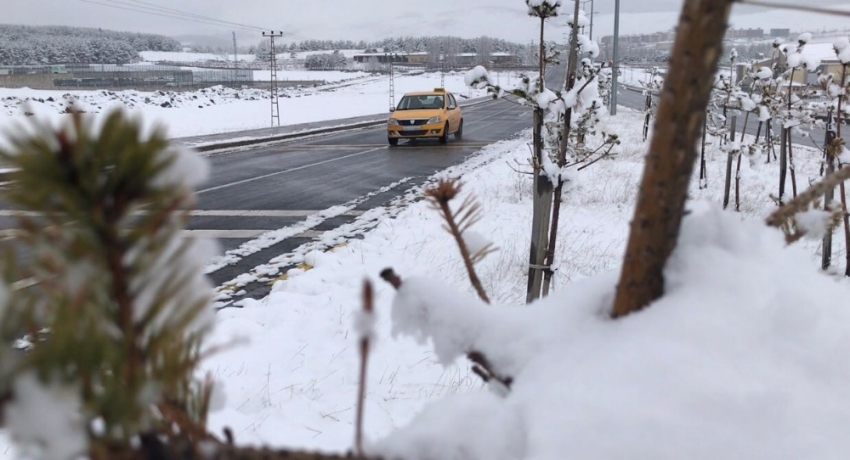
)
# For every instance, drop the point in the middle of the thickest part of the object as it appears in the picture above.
(728, 364)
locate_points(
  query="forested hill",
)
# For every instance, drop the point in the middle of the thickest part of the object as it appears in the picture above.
(32, 45)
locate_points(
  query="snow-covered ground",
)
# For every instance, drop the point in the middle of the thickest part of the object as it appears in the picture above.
(290, 379)
(330, 76)
(754, 377)
(219, 110)
(294, 381)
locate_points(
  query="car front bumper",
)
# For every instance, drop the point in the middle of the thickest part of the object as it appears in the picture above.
(421, 131)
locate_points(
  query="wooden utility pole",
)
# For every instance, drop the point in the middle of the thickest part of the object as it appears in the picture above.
(672, 153)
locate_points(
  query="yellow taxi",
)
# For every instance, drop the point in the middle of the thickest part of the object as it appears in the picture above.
(428, 114)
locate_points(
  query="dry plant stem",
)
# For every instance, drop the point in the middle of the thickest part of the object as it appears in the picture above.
(464, 252)
(672, 153)
(368, 309)
(802, 202)
(440, 196)
(562, 157)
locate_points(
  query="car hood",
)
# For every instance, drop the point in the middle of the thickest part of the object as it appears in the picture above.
(408, 114)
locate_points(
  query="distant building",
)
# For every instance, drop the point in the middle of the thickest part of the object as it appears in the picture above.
(780, 33)
(745, 33)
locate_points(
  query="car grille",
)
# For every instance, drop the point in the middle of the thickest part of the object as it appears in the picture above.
(420, 132)
(413, 122)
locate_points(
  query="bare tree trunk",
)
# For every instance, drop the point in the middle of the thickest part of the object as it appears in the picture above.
(738, 184)
(542, 207)
(744, 128)
(769, 139)
(646, 118)
(791, 164)
(562, 156)
(672, 153)
(838, 122)
(826, 254)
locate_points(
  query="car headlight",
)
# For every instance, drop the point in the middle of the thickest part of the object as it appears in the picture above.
(433, 120)
(392, 121)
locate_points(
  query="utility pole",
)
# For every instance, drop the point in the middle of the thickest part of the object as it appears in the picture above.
(273, 85)
(442, 69)
(616, 65)
(235, 60)
(392, 80)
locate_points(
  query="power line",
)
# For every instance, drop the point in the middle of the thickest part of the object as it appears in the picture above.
(162, 14)
(180, 12)
(140, 6)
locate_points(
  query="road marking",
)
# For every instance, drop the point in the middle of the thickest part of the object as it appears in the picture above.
(299, 168)
(214, 213)
(242, 234)
(264, 213)
(11, 234)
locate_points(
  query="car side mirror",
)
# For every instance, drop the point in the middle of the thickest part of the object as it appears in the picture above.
(392, 109)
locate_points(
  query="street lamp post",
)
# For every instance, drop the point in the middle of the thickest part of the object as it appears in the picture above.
(616, 65)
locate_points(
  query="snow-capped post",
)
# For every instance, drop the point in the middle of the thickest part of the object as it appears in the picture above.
(562, 150)
(365, 328)
(672, 153)
(543, 187)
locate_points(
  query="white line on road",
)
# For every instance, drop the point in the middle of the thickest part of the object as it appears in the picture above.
(242, 234)
(299, 168)
(263, 213)
(215, 213)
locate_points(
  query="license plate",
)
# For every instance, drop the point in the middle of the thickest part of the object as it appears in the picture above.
(410, 128)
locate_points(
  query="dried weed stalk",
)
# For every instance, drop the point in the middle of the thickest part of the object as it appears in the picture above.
(368, 311)
(458, 223)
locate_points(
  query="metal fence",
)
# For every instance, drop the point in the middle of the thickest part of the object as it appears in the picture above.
(120, 77)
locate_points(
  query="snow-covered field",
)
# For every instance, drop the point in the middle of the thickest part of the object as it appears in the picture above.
(330, 76)
(219, 110)
(290, 378)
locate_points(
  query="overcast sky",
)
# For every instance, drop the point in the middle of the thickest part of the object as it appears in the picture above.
(338, 19)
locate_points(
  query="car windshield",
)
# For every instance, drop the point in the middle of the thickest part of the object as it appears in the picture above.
(421, 102)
